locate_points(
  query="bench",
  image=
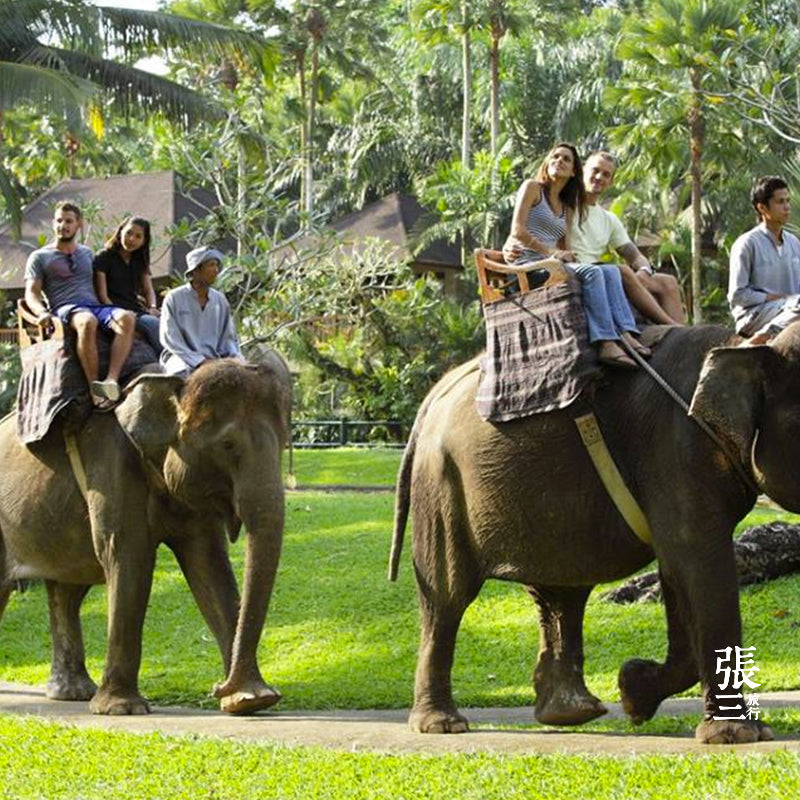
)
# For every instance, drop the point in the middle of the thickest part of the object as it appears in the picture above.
(30, 330)
(498, 279)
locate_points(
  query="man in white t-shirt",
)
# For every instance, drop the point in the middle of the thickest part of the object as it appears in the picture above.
(655, 295)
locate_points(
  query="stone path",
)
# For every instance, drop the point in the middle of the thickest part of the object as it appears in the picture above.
(387, 731)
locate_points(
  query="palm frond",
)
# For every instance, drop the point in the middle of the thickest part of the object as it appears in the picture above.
(153, 30)
(134, 91)
(30, 83)
(65, 20)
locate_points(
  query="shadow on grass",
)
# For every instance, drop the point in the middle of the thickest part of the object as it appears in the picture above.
(339, 635)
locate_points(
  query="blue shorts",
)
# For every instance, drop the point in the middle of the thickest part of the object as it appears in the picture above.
(103, 314)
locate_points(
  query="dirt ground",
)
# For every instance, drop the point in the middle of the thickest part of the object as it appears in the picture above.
(387, 731)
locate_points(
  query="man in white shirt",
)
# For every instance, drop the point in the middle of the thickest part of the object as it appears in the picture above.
(655, 295)
(764, 280)
(196, 322)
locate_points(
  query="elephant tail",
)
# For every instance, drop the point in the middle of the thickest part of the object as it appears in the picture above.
(402, 500)
(402, 503)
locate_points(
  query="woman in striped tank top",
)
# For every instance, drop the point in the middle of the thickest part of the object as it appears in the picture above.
(542, 215)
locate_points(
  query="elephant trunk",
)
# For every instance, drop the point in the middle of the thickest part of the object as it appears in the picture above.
(244, 690)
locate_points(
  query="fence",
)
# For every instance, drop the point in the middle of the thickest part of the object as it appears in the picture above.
(311, 433)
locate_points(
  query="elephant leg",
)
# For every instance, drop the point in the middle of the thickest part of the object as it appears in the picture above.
(561, 694)
(69, 679)
(6, 584)
(207, 568)
(129, 577)
(643, 683)
(707, 592)
(434, 709)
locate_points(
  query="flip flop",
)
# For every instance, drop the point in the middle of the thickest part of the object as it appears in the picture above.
(622, 361)
(642, 350)
(102, 403)
(107, 389)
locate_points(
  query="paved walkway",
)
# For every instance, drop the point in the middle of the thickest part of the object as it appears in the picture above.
(387, 731)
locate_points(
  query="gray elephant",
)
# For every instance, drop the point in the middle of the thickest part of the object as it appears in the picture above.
(521, 501)
(175, 463)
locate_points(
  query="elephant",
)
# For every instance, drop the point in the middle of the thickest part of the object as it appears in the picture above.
(178, 462)
(521, 501)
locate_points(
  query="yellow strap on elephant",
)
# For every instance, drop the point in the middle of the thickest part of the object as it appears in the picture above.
(75, 462)
(609, 474)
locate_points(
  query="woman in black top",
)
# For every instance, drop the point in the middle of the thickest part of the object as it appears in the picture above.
(122, 276)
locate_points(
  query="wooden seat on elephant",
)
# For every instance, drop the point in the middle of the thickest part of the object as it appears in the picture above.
(498, 279)
(30, 330)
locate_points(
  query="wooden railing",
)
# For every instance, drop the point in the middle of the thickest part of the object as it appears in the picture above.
(8, 336)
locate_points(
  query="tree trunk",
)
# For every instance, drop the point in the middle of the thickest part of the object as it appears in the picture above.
(494, 68)
(763, 553)
(697, 140)
(301, 80)
(466, 66)
(241, 196)
(312, 111)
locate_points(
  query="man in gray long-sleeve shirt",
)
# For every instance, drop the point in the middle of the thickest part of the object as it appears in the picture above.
(196, 322)
(764, 281)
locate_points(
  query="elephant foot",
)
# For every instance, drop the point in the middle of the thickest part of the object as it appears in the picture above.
(255, 696)
(732, 731)
(568, 708)
(105, 702)
(437, 721)
(71, 687)
(638, 687)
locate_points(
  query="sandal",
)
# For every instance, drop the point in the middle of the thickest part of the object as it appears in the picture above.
(108, 389)
(102, 403)
(623, 361)
(633, 342)
(612, 355)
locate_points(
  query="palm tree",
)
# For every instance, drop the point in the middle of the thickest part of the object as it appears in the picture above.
(498, 17)
(53, 54)
(320, 38)
(436, 20)
(665, 79)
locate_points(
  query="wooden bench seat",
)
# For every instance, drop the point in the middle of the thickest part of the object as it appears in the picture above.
(498, 279)
(30, 330)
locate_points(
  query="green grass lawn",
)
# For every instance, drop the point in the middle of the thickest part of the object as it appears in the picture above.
(351, 466)
(339, 635)
(49, 762)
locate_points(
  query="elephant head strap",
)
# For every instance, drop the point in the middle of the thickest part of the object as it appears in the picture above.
(700, 409)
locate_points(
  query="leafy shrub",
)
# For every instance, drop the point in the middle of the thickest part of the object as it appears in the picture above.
(10, 370)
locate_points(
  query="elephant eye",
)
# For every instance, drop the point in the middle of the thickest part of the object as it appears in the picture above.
(228, 445)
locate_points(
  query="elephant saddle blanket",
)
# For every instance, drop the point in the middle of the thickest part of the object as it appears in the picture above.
(53, 383)
(538, 357)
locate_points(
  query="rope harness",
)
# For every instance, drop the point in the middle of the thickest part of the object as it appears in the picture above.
(746, 479)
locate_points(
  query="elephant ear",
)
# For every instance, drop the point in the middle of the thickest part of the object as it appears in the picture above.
(730, 393)
(271, 365)
(148, 415)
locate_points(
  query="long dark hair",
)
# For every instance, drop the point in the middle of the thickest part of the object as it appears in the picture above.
(142, 255)
(573, 195)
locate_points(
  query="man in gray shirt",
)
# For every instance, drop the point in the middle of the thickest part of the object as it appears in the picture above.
(62, 272)
(196, 322)
(764, 281)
